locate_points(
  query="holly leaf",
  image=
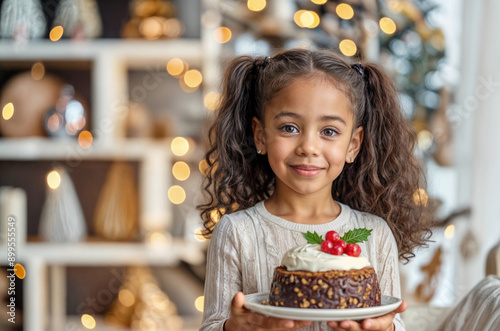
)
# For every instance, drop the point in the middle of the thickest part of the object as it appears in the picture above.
(313, 238)
(356, 236)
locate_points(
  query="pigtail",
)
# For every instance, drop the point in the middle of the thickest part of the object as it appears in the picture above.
(237, 177)
(386, 174)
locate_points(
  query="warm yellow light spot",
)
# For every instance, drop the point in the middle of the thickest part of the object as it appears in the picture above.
(179, 146)
(88, 321)
(256, 5)
(175, 67)
(193, 78)
(425, 139)
(203, 166)
(8, 111)
(296, 17)
(85, 139)
(126, 298)
(199, 303)
(215, 214)
(37, 70)
(420, 197)
(387, 25)
(319, 2)
(173, 28)
(56, 33)
(199, 236)
(176, 194)
(308, 19)
(222, 35)
(53, 179)
(181, 170)
(157, 238)
(211, 100)
(19, 271)
(151, 28)
(348, 47)
(344, 11)
(449, 231)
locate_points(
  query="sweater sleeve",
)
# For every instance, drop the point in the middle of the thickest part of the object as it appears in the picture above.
(223, 276)
(388, 270)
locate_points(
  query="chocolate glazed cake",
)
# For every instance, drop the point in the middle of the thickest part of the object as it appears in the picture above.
(334, 289)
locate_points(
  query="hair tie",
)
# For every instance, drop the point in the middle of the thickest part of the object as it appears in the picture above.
(259, 64)
(359, 68)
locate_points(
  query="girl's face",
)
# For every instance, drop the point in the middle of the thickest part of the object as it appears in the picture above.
(308, 136)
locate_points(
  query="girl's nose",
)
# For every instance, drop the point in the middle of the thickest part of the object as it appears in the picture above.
(308, 145)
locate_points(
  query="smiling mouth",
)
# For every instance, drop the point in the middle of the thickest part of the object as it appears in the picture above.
(306, 170)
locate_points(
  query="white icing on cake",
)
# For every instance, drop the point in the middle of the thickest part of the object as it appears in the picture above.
(309, 257)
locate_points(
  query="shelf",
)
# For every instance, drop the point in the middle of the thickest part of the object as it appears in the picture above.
(110, 253)
(40, 148)
(190, 323)
(135, 53)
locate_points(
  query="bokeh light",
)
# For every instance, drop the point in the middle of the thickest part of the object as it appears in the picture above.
(181, 170)
(175, 67)
(222, 35)
(126, 298)
(176, 194)
(344, 11)
(449, 231)
(193, 78)
(306, 19)
(319, 2)
(348, 47)
(53, 179)
(203, 166)
(179, 146)
(256, 5)
(151, 28)
(199, 303)
(420, 197)
(88, 321)
(56, 33)
(85, 139)
(387, 25)
(37, 70)
(8, 111)
(211, 100)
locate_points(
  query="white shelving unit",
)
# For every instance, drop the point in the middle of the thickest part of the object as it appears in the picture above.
(111, 59)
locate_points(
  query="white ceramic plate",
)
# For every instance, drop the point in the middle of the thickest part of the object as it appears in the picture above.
(253, 303)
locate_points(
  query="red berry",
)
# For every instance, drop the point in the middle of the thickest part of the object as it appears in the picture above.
(341, 243)
(337, 249)
(326, 246)
(332, 236)
(353, 250)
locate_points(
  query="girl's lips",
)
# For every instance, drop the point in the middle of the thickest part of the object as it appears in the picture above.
(306, 170)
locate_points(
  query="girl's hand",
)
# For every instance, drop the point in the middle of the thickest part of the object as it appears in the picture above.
(382, 323)
(242, 319)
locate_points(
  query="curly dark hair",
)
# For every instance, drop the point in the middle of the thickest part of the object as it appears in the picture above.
(383, 180)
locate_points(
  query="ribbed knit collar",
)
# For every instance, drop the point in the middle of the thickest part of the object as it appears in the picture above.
(345, 214)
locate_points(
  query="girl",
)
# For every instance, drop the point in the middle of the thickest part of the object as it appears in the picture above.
(304, 141)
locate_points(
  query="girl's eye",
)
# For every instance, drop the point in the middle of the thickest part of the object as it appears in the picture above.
(329, 132)
(288, 129)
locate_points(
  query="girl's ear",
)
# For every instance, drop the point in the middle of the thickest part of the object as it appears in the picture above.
(259, 135)
(354, 145)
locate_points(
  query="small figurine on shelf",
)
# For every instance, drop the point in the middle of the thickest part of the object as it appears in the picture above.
(80, 19)
(62, 217)
(116, 213)
(22, 20)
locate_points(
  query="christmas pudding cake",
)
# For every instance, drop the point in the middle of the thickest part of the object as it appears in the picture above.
(326, 274)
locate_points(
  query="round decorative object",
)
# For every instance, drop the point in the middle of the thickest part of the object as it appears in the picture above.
(31, 100)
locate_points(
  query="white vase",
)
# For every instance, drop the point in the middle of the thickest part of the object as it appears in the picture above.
(62, 217)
